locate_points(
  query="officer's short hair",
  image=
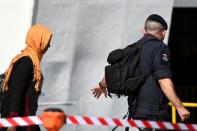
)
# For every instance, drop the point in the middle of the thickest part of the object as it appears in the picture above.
(153, 26)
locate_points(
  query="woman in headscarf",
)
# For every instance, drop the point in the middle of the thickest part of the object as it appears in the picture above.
(23, 78)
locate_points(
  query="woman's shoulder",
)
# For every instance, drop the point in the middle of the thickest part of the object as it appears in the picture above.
(25, 61)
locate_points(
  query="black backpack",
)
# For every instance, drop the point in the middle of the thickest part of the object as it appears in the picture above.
(123, 75)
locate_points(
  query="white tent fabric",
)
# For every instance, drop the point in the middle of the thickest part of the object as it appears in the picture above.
(85, 31)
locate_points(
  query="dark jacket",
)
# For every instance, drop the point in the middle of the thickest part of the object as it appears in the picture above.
(21, 97)
(154, 63)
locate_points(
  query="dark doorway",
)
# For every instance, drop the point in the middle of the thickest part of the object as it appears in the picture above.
(183, 47)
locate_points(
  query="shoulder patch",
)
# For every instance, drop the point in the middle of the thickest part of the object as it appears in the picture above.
(165, 57)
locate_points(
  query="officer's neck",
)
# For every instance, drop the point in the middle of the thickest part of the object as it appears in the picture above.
(158, 36)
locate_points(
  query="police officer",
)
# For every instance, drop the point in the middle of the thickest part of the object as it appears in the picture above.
(151, 103)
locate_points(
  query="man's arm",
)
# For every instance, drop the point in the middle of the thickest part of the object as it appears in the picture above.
(103, 84)
(100, 89)
(167, 87)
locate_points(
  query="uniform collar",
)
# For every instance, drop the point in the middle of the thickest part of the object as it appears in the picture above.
(150, 36)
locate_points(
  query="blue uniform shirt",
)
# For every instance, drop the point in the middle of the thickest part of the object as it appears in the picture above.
(154, 62)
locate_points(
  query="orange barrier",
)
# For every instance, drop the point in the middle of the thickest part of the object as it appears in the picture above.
(53, 119)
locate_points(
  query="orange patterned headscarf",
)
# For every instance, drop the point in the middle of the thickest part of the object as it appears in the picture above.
(37, 40)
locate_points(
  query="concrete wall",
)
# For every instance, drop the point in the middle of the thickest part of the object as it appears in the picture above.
(15, 19)
(185, 3)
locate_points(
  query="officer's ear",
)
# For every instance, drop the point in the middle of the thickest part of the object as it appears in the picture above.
(144, 31)
(164, 32)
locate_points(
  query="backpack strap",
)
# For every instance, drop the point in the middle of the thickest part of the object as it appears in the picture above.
(134, 101)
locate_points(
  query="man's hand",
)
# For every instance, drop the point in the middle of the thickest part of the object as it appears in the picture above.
(11, 129)
(183, 113)
(167, 87)
(98, 91)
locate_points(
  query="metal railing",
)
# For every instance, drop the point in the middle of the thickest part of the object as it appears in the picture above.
(186, 104)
